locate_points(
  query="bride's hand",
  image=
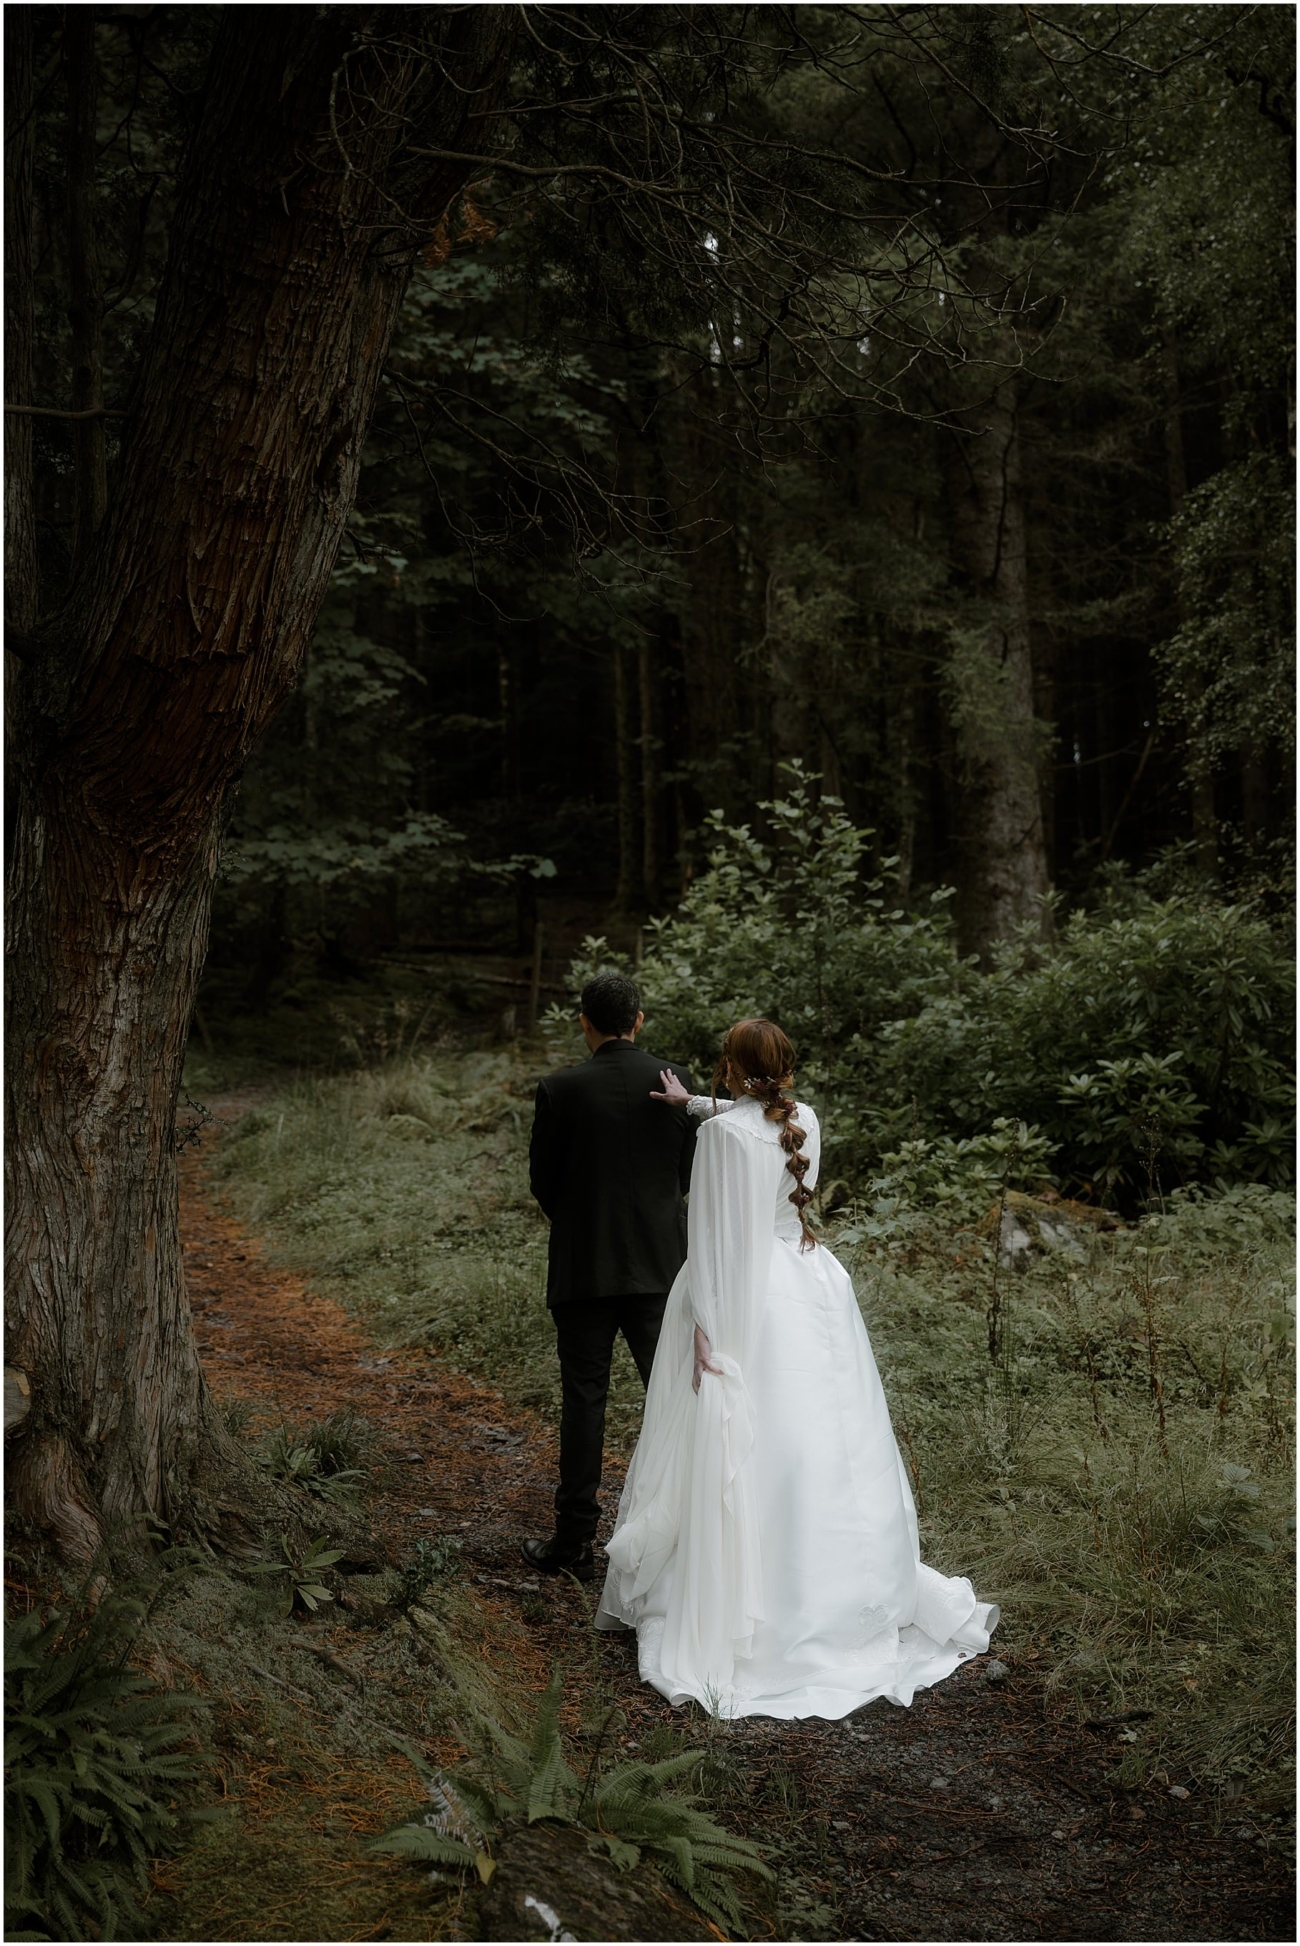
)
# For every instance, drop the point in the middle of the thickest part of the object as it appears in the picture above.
(703, 1353)
(674, 1094)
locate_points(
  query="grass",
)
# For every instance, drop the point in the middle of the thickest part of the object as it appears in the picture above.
(306, 1768)
(1118, 1477)
(403, 1193)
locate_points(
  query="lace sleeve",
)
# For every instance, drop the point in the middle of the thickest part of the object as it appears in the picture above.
(703, 1107)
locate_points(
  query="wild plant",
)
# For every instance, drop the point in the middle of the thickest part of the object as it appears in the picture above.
(1174, 1011)
(630, 1809)
(430, 1562)
(320, 1457)
(92, 1770)
(302, 1568)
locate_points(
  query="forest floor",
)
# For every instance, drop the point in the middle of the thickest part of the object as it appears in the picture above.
(978, 1814)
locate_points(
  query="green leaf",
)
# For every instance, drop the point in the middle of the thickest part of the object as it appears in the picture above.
(552, 1784)
(420, 1841)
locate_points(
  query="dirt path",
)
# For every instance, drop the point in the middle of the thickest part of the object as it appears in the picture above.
(972, 1816)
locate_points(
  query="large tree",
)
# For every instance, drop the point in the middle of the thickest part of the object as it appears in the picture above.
(307, 192)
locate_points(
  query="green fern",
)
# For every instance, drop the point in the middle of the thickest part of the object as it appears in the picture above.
(629, 1812)
(552, 1786)
(90, 1768)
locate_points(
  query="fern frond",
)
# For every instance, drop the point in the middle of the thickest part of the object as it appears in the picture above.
(485, 1805)
(552, 1785)
(717, 1897)
(679, 1850)
(420, 1841)
(737, 1855)
(624, 1855)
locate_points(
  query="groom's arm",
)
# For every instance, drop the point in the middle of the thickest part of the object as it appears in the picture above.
(544, 1159)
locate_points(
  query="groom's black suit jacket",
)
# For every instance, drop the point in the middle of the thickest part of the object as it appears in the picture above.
(609, 1167)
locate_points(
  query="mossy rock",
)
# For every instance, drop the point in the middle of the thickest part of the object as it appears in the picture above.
(549, 1885)
(1045, 1222)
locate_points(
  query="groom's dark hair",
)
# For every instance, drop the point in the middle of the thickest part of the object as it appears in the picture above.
(611, 1003)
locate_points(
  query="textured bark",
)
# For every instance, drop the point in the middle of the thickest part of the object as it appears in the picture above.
(298, 215)
(1002, 860)
(85, 283)
(647, 693)
(628, 891)
(20, 321)
(1205, 823)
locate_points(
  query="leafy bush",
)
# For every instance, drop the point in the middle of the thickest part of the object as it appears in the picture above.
(628, 1811)
(91, 1769)
(303, 1568)
(1145, 1048)
(430, 1562)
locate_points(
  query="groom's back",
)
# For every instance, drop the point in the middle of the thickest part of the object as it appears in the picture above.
(609, 1166)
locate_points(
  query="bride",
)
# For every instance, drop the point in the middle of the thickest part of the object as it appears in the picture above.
(766, 1548)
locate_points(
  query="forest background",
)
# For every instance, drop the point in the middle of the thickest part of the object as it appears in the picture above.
(993, 550)
(840, 567)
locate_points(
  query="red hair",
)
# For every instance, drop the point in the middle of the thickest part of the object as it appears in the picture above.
(758, 1059)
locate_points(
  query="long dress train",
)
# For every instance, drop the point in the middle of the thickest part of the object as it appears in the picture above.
(766, 1549)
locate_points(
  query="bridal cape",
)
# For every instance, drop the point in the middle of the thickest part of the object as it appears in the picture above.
(766, 1549)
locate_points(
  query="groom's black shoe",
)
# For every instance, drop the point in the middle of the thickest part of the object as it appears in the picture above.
(560, 1557)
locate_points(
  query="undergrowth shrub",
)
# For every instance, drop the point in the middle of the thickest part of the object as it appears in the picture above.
(634, 1810)
(322, 1458)
(1147, 1047)
(428, 1563)
(92, 1773)
(1118, 1475)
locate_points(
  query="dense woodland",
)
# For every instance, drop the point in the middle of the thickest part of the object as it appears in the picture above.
(1001, 551)
(1025, 557)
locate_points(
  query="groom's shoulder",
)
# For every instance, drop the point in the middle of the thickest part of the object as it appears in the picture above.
(561, 1080)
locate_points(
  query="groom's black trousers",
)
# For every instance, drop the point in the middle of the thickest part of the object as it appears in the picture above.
(585, 1331)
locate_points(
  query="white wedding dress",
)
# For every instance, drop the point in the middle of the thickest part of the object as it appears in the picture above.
(766, 1548)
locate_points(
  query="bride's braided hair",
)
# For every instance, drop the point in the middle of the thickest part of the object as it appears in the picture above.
(758, 1058)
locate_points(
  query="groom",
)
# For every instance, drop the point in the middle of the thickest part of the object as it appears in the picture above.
(609, 1166)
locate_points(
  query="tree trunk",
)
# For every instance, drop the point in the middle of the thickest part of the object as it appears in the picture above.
(297, 218)
(651, 870)
(22, 591)
(627, 893)
(20, 322)
(86, 292)
(1254, 799)
(906, 734)
(1205, 823)
(1002, 862)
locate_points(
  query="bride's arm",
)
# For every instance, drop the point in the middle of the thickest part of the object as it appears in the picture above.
(704, 1107)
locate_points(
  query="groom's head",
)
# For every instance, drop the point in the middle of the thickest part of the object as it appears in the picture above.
(611, 1009)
